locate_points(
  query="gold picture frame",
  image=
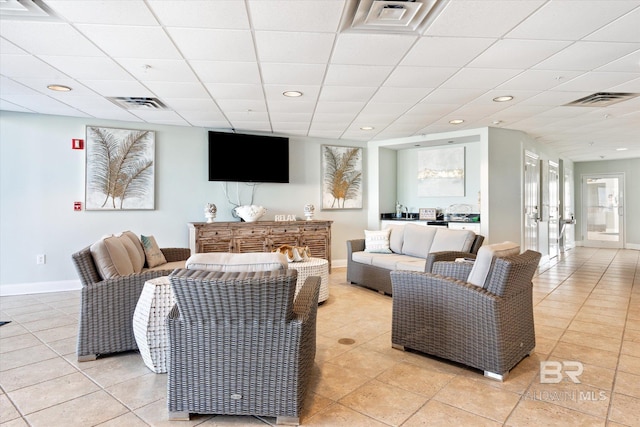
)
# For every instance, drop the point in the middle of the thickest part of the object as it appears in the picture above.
(427, 214)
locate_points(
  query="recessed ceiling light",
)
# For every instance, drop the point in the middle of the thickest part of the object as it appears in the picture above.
(621, 149)
(292, 93)
(367, 128)
(59, 88)
(504, 98)
(456, 121)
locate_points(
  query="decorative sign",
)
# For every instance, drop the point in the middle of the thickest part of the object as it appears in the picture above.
(429, 214)
(285, 218)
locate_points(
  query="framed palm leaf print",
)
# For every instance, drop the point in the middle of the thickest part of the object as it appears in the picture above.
(341, 177)
(120, 169)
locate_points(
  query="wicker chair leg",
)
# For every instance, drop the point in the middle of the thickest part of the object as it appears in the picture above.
(397, 346)
(178, 416)
(87, 357)
(288, 421)
(494, 376)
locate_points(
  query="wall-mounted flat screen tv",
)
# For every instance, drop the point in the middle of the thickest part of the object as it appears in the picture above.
(237, 157)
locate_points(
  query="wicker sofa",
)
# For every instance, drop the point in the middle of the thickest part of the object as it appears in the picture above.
(431, 310)
(411, 247)
(241, 343)
(108, 299)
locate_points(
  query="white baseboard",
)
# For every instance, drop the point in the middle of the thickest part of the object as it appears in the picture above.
(634, 246)
(338, 263)
(40, 287)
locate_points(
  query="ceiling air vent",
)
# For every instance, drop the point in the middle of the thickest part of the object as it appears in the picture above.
(403, 16)
(138, 103)
(26, 10)
(602, 99)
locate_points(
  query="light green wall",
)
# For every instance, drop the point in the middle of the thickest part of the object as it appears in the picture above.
(41, 177)
(631, 170)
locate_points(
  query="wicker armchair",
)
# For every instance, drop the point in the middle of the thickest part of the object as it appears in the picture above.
(107, 306)
(486, 327)
(239, 344)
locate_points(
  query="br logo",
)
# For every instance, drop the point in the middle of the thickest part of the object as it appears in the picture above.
(551, 372)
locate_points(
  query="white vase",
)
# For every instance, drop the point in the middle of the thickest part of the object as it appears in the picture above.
(309, 210)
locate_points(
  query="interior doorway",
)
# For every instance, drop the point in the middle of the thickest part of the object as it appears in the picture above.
(531, 201)
(603, 210)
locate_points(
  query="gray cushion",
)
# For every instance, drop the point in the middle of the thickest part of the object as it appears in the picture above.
(238, 262)
(486, 255)
(452, 240)
(418, 240)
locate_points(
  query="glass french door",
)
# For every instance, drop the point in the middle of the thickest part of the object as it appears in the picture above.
(554, 209)
(531, 201)
(603, 210)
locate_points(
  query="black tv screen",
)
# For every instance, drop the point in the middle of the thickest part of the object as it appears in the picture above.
(237, 157)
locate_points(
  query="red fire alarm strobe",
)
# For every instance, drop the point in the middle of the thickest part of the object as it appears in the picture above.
(77, 144)
(77, 206)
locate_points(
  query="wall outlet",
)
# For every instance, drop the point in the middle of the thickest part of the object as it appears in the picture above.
(41, 259)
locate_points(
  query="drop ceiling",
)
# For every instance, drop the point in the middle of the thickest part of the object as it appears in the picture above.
(225, 65)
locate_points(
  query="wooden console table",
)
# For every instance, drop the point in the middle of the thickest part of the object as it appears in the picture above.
(261, 236)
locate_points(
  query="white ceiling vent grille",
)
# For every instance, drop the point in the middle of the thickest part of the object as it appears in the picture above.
(602, 99)
(26, 10)
(138, 103)
(400, 16)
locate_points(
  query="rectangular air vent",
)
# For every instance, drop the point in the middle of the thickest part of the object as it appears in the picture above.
(400, 16)
(138, 103)
(602, 99)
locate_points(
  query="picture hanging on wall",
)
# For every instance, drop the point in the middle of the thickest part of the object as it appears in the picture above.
(341, 177)
(441, 172)
(119, 168)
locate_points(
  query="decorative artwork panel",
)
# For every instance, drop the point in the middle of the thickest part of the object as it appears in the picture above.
(120, 167)
(341, 177)
(441, 172)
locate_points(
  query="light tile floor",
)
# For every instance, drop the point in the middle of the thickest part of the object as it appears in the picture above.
(587, 309)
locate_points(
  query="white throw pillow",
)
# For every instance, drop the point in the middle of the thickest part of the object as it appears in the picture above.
(486, 255)
(377, 241)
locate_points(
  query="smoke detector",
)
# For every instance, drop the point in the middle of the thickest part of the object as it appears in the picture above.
(602, 99)
(399, 16)
(138, 103)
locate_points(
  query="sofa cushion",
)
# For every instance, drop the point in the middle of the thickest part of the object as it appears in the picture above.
(396, 237)
(111, 257)
(152, 251)
(418, 240)
(412, 265)
(485, 257)
(168, 266)
(138, 257)
(237, 262)
(452, 240)
(377, 241)
(390, 262)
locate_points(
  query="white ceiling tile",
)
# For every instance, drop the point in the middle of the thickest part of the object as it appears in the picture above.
(452, 96)
(120, 41)
(445, 51)
(240, 125)
(481, 18)
(518, 54)
(346, 93)
(27, 66)
(53, 38)
(184, 105)
(429, 109)
(295, 15)
(227, 72)
(596, 81)
(291, 117)
(130, 12)
(286, 106)
(242, 105)
(40, 85)
(339, 107)
(356, 75)
(214, 45)
(585, 56)
(371, 49)
(552, 20)
(386, 109)
(628, 86)
(329, 134)
(88, 67)
(282, 47)
(248, 116)
(419, 76)
(293, 74)
(230, 14)
(629, 63)
(623, 29)
(158, 70)
(118, 88)
(39, 102)
(482, 78)
(309, 93)
(191, 90)
(538, 79)
(554, 98)
(341, 119)
(8, 48)
(404, 95)
(239, 92)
